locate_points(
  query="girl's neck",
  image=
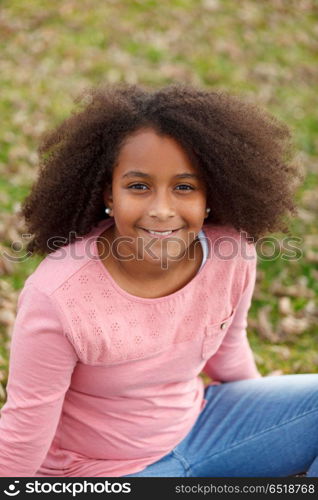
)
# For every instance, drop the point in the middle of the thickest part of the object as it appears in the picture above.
(141, 278)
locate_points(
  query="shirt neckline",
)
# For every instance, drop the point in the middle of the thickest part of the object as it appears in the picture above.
(105, 224)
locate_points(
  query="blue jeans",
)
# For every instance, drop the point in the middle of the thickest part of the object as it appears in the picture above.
(265, 427)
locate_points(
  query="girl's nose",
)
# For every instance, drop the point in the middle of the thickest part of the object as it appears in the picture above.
(162, 207)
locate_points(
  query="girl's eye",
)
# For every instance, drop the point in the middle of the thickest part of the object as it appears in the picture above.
(185, 185)
(134, 185)
(180, 185)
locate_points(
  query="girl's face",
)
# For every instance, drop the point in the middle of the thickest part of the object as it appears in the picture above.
(155, 187)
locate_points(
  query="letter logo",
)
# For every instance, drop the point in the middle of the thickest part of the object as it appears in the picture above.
(12, 492)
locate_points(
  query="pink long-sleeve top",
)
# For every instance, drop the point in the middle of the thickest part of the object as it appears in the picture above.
(102, 382)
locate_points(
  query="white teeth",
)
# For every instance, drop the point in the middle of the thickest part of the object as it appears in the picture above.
(161, 233)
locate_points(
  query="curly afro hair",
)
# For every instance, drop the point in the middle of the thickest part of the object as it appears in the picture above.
(242, 152)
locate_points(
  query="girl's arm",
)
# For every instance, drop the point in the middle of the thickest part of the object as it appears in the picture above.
(41, 364)
(234, 359)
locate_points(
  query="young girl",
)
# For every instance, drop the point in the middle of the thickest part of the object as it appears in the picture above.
(147, 207)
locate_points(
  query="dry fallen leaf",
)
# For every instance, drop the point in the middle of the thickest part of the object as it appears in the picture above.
(299, 290)
(2, 393)
(306, 215)
(311, 240)
(312, 256)
(264, 325)
(290, 325)
(7, 317)
(310, 199)
(285, 306)
(311, 308)
(6, 265)
(275, 373)
(282, 350)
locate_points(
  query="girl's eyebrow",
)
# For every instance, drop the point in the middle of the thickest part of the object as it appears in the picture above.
(137, 173)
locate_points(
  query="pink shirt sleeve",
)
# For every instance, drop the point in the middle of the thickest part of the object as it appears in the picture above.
(41, 364)
(234, 359)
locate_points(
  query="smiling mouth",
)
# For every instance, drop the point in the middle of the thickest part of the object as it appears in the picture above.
(160, 233)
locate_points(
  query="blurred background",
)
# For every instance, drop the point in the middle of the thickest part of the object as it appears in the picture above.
(265, 51)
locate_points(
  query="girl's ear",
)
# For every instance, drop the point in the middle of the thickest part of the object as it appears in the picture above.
(108, 201)
(108, 197)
